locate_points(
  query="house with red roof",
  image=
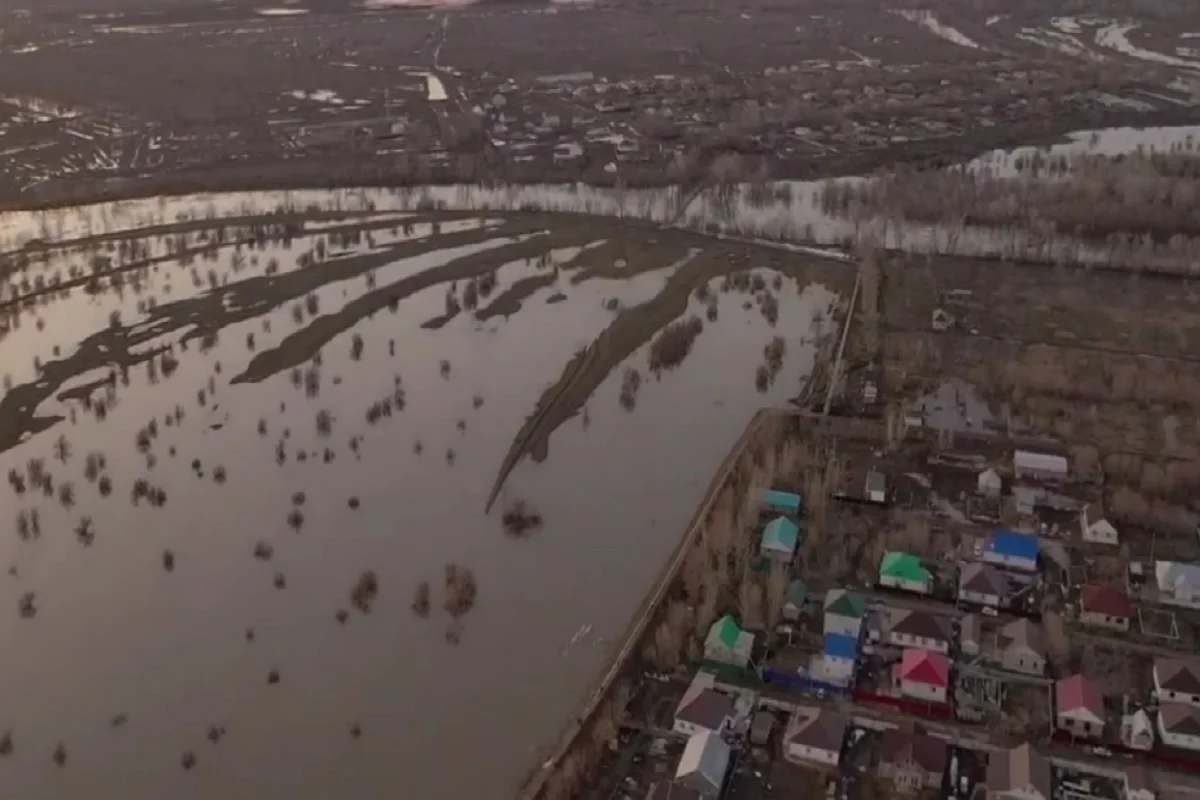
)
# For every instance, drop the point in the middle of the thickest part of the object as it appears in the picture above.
(1079, 707)
(922, 675)
(1105, 607)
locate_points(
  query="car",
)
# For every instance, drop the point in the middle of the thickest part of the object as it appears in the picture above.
(1103, 752)
(990, 612)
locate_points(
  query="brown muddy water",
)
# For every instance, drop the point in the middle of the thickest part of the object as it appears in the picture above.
(230, 675)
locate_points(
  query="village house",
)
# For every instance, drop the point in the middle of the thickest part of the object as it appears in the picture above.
(704, 764)
(1046, 467)
(728, 644)
(702, 708)
(1137, 731)
(912, 761)
(1179, 725)
(793, 604)
(982, 584)
(920, 629)
(779, 540)
(1095, 528)
(1079, 707)
(815, 737)
(838, 659)
(781, 502)
(1019, 774)
(844, 612)
(1177, 680)
(1104, 607)
(1178, 583)
(922, 675)
(1022, 648)
(1012, 550)
(761, 727)
(906, 572)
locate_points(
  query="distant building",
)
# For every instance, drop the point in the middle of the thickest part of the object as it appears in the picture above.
(922, 675)
(1179, 725)
(793, 603)
(844, 612)
(702, 709)
(779, 539)
(1018, 551)
(1094, 527)
(969, 630)
(1040, 466)
(1023, 648)
(728, 644)
(904, 571)
(919, 629)
(781, 502)
(704, 763)
(1018, 774)
(815, 737)
(875, 490)
(1105, 607)
(1177, 680)
(1079, 707)
(982, 585)
(989, 483)
(912, 761)
(1178, 583)
(1137, 731)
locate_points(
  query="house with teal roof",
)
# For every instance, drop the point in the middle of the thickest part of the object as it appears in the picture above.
(728, 644)
(906, 572)
(844, 612)
(780, 537)
(793, 603)
(781, 502)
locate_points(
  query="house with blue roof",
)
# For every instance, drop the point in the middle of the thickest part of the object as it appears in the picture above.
(838, 659)
(781, 502)
(780, 538)
(1007, 548)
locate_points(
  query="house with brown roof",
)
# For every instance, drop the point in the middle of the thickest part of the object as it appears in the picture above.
(982, 585)
(913, 761)
(1177, 680)
(1094, 527)
(1179, 725)
(1079, 707)
(910, 628)
(702, 708)
(815, 737)
(1022, 648)
(1019, 774)
(1105, 607)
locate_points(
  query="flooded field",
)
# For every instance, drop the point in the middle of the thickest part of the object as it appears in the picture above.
(237, 448)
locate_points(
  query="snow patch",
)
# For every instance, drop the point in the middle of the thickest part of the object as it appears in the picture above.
(281, 12)
(1066, 24)
(929, 22)
(1116, 37)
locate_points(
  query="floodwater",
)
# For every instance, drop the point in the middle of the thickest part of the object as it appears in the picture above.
(131, 666)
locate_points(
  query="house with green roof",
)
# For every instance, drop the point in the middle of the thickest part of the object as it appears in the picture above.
(728, 644)
(844, 612)
(780, 537)
(905, 571)
(793, 603)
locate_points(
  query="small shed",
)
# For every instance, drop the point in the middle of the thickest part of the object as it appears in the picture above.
(989, 483)
(1040, 466)
(793, 604)
(781, 502)
(969, 630)
(761, 726)
(779, 540)
(876, 487)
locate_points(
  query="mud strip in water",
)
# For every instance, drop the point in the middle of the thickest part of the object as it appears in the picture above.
(300, 345)
(206, 314)
(629, 331)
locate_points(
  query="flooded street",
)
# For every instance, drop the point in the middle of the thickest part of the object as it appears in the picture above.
(208, 444)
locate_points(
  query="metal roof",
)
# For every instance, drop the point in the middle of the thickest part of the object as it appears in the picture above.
(1008, 543)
